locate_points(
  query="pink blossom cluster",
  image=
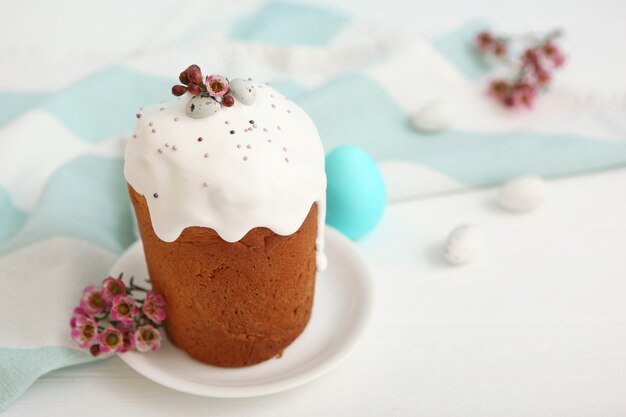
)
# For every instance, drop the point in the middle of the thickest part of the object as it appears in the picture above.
(534, 67)
(111, 319)
(194, 83)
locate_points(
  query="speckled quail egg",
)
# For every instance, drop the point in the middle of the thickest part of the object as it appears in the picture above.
(243, 90)
(202, 105)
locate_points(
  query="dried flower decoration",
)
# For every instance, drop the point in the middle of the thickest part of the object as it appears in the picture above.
(112, 318)
(533, 60)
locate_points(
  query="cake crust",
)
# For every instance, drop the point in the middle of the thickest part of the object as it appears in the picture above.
(232, 304)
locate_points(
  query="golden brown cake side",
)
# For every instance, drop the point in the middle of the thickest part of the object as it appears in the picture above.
(232, 304)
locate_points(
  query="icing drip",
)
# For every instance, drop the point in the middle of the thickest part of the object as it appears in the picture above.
(258, 165)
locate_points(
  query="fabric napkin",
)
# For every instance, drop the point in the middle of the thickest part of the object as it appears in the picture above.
(64, 210)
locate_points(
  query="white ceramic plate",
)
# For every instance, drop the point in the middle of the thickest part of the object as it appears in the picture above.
(341, 311)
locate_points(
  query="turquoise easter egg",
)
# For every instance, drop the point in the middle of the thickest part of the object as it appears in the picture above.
(355, 195)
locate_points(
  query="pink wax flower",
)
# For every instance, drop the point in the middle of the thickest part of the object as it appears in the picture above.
(499, 49)
(128, 336)
(553, 53)
(84, 330)
(217, 85)
(78, 312)
(487, 43)
(111, 340)
(147, 338)
(484, 41)
(542, 78)
(524, 95)
(112, 287)
(153, 307)
(558, 60)
(499, 89)
(92, 301)
(531, 58)
(520, 94)
(124, 309)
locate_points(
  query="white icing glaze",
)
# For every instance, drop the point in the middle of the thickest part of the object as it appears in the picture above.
(267, 174)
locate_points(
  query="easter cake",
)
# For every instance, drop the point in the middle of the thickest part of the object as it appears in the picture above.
(228, 187)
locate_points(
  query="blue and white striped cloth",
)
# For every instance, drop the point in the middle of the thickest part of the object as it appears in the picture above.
(64, 210)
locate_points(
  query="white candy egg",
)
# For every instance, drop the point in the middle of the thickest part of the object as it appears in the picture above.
(464, 244)
(522, 194)
(243, 90)
(433, 116)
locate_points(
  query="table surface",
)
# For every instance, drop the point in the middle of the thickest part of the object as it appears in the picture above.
(536, 326)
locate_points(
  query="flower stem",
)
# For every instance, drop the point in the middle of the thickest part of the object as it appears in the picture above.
(134, 286)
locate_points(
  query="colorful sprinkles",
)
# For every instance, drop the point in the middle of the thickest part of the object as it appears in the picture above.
(215, 88)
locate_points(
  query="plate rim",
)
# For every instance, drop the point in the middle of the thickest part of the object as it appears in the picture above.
(366, 304)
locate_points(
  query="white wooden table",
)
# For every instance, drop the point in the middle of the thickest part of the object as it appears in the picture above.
(536, 326)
